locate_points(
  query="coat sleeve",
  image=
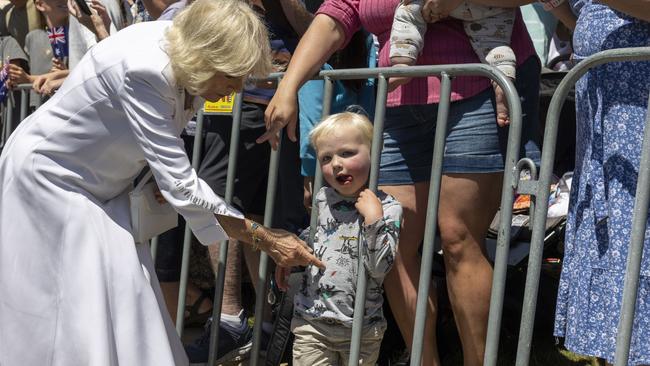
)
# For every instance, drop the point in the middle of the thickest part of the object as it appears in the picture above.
(150, 115)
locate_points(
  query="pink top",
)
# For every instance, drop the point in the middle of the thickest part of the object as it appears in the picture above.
(445, 42)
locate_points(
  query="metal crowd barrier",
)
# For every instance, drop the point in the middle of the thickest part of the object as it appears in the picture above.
(540, 190)
(446, 73)
(8, 110)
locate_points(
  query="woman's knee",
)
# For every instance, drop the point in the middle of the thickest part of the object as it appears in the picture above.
(454, 235)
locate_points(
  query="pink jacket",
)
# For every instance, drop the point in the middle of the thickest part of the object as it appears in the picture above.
(445, 43)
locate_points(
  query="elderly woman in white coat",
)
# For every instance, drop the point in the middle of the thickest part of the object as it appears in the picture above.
(74, 287)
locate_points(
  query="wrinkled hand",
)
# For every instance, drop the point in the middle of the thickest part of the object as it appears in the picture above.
(282, 277)
(369, 206)
(286, 249)
(434, 10)
(281, 111)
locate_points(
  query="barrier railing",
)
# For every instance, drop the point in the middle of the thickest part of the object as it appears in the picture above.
(446, 73)
(7, 112)
(540, 189)
(511, 185)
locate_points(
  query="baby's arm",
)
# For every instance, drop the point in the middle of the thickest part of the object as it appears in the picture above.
(407, 33)
(381, 238)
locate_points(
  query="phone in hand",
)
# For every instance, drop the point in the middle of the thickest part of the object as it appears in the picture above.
(83, 6)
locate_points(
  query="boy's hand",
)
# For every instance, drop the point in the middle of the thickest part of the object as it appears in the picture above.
(369, 207)
(282, 277)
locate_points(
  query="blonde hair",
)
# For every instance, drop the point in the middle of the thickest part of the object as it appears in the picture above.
(358, 122)
(212, 36)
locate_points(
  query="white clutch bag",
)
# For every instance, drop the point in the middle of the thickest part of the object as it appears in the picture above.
(148, 217)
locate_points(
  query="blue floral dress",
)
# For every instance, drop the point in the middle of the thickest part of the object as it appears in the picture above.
(611, 107)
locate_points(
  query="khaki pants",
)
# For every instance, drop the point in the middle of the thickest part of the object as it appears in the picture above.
(319, 343)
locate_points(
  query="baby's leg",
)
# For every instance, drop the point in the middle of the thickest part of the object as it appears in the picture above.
(406, 38)
(490, 38)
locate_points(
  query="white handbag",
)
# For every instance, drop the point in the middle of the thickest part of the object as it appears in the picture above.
(148, 217)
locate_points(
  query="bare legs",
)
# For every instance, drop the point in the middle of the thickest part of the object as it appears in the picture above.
(401, 283)
(468, 203)
(232, 303)
(232, 300)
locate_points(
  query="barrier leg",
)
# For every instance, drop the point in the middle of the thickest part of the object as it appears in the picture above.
(431, 220)
(187, 238)
(220, 277)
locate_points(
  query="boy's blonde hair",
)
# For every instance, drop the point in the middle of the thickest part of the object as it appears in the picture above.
(217, 36)
(334, 122)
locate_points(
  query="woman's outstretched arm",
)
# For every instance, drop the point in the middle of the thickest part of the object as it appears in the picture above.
(286, 249)
(324, 36)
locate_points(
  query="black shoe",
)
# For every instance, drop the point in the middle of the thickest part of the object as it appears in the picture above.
(231, 347)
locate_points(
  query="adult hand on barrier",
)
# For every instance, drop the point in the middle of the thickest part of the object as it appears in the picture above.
(44, 84)
(282, 111)
(38, 82)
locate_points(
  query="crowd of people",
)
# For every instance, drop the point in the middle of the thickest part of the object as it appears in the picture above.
(121, 83)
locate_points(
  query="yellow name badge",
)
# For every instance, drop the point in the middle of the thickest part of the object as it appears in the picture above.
(223, 105)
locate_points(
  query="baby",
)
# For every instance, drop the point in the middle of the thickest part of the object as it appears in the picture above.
(488, 28)
(352, 222)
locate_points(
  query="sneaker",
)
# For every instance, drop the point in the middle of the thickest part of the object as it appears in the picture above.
(232, 347)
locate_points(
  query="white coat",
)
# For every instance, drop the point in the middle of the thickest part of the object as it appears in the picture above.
(73, 285)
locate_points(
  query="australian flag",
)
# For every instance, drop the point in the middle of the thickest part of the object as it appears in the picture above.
(4, 77)
(59, 41)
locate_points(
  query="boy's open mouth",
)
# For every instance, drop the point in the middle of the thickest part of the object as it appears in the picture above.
(344, 178)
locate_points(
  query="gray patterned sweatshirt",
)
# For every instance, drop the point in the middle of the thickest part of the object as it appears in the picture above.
(329, 295)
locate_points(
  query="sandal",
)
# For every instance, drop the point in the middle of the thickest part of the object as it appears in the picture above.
(192, 315)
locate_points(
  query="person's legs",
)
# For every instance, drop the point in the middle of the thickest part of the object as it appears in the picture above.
(234, 332)
(401, 283)
(231, 303)
(468, 203)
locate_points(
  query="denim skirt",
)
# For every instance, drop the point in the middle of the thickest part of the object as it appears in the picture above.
(474, 143)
